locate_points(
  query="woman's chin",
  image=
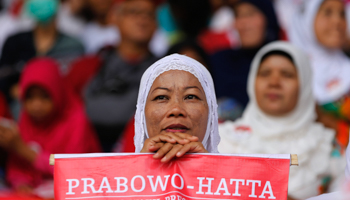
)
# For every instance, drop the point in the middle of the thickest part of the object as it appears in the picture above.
(274, 111)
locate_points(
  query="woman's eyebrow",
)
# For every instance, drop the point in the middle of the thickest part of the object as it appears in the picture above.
(161, 88)
(193, 87)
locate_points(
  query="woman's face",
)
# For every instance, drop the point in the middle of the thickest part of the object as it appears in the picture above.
(277, 86)
(38, 104)
(330, 24)
(176, 103)
(136, 20)
(250, 23)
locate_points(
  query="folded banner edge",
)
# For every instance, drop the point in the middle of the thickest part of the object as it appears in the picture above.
(294, 159)
(52, 159)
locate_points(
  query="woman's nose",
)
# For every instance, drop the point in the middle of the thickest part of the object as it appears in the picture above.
(36, 103)
(177, 110)
(274, 81)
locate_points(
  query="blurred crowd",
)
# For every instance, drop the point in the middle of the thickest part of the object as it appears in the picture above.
(70, 72)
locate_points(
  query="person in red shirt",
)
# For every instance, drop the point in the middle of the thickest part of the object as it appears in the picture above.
(52, 121)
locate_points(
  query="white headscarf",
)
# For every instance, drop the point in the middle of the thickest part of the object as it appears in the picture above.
(329, 66)
(184, 63)
(295, 133)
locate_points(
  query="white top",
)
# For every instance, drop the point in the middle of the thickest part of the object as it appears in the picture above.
(347, 170)
(285, 10)
(344, 193)
(96, 36)
(68, 23)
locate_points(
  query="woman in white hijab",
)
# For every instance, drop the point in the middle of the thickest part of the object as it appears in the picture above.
(331, 66)
(280, 118)
(319, 28)
(176, 101)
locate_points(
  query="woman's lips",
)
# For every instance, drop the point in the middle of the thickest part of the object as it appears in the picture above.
(273, 97)
(176, 128)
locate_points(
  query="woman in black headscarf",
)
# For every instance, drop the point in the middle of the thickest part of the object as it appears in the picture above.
(256, 23)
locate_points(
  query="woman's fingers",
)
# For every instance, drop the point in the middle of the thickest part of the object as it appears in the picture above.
(172, 153)
(191, 138)
(169, 145)
(9, 138)
(151, 144)
(163, 151)
(193, 147)
(162, 138)
(181, 139)
(154, 143)
(167, 151)
(155, 147)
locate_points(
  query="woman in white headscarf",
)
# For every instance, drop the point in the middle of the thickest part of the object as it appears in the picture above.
(176, 101)
(319, 28)
(280, 118)
(331, 66)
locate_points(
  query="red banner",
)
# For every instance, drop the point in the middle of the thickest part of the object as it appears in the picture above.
(194, 176)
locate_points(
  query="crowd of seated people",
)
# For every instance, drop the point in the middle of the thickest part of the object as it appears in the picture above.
(81, 76)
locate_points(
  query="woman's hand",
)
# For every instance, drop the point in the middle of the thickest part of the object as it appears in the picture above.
(157, 142)
(169, 151)
(327, 119)
(9, 136)
(192, 147)
(24, 190)
(11, 140)
(169, 145)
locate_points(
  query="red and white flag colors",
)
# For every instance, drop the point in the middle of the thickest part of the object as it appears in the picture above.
(193, 176)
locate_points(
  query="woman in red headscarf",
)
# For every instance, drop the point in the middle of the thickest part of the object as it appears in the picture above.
(52, 121)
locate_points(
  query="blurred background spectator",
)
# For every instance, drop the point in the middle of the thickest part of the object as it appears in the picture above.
(43, 40)
(98, 32)
(281, 117)
(257, 25)
(51, 121)
(111, 95)
(319, 27)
